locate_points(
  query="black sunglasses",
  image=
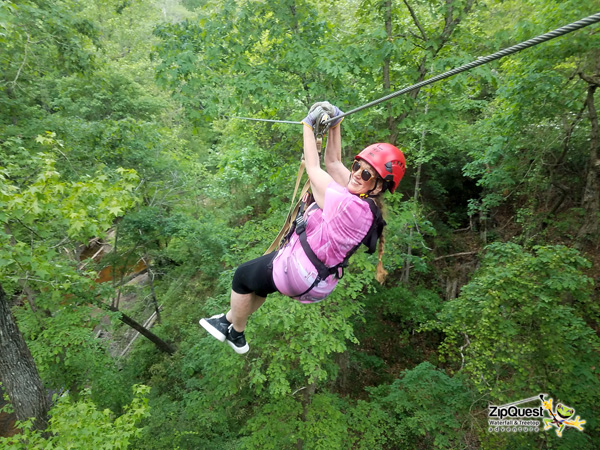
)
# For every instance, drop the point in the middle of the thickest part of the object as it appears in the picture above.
(365, 174)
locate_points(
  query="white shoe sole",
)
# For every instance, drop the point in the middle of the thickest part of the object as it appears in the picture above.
(212, 330)
(239, 350)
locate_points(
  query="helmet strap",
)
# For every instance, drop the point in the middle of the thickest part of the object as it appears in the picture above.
(368, 194)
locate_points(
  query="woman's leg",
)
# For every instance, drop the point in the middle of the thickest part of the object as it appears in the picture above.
(255, 278)
(242, 306)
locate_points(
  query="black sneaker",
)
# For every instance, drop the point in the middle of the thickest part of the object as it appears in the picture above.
(238, 344)
(217, 327)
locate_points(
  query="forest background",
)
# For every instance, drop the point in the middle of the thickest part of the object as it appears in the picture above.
(116, 127)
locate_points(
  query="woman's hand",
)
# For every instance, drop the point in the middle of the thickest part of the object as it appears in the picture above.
(319, 178)
(316, 112)
(333, 111)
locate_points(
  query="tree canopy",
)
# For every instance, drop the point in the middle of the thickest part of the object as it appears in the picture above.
(123, 158)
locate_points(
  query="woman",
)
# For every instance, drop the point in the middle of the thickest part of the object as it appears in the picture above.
(336, 223)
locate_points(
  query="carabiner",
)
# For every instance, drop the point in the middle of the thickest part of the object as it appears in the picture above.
(321, 125)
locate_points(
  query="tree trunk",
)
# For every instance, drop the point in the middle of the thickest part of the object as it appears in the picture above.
(407, 262)
(18, 373)
(386, 62)
(160, 344)
(591, 196)
(146, 260)
(307, 396)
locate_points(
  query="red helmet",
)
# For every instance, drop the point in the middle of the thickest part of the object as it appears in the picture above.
(388, 162)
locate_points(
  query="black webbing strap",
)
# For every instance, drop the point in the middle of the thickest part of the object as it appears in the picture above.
(372, 236)
(323, 272)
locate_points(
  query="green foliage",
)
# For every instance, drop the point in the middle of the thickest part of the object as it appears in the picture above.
(83, 208)
(56, 37)
(368, 425)
(407, 230)
(140, 98)
(196, 57)
(518, 327)
(427, 408)
(412, 306)
(326, 422)
(298, 342)
(275, 426)
(529, 141)
(79, 424)
(41, 212)
(515, 298)
(189, 419)
(39, 208)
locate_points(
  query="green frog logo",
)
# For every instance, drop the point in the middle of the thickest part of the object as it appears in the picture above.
(560, 417)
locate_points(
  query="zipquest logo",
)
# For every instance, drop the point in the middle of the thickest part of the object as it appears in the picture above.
(511, 418)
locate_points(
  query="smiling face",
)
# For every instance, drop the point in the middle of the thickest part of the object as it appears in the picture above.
(362, 179)
(564, 411)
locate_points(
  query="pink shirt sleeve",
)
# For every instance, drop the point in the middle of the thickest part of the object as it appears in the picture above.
(348, 218)
(331, 232)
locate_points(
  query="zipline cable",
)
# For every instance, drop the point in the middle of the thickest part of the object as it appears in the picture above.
(267, 120)
(478, 62)
(594, 18)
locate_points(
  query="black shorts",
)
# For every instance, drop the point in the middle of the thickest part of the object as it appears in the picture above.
(255, 276)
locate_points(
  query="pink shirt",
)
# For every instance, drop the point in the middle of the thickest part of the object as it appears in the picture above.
(331, 233)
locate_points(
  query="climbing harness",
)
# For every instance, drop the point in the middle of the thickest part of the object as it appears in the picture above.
(298, 224)
(323, 271)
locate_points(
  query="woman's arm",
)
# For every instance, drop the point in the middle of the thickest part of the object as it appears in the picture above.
(333, 157)
(319, 179)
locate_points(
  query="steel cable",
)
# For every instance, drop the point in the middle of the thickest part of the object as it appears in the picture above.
(594, 18)
(267, 120)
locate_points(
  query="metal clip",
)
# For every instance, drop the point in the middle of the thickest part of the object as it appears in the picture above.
(321, 125)
(300, 224)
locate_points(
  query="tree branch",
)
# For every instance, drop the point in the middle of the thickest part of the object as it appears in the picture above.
(590, 79)
(451, 23)
(160, 344)
(569, 133)
(416, 21)
(14, 82)
(453, 255)
(30, 295)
